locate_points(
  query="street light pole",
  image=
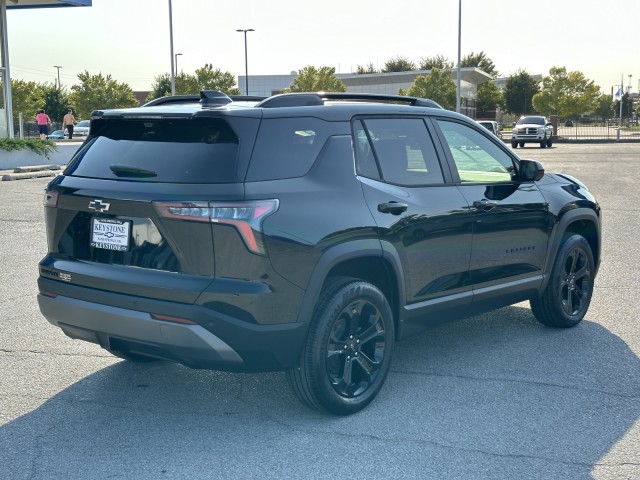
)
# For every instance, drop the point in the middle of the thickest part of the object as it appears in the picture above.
(459, 55)
(246, 59)
(176, 57)
(58, 67)
(173, 73)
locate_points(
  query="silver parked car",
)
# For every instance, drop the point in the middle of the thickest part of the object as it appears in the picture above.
(81, 129)
(493, 127)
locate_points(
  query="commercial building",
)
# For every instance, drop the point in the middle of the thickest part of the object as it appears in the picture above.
(382, 83)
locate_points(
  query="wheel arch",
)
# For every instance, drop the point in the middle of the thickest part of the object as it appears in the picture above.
(584, 222)
(372, 261)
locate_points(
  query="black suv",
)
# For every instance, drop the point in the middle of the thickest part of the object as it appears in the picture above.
(305, 233)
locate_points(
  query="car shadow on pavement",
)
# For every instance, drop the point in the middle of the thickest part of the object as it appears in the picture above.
(492, 396)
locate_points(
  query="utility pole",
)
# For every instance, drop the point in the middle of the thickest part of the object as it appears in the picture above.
(246, 59)
(58, 67)
(173, 72)
(459, 55)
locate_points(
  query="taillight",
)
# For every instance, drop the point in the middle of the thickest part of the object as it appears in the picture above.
(50, 198)
(246, 217)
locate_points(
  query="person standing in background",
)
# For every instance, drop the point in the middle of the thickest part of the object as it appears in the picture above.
(43, 121)
(69, 121)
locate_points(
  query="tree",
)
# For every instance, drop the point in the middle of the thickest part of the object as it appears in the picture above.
(369, 68)
(489, 99)
(519, 89)
(209, 79)
(603, 107)
(398, 64)
(98, 92)
(313, 79)
(56, 101)
(481, 61)
(205, 78)
(438, 61)
(437, 86)
(185, 84)
(627, 106)
(566, 94)
(27, 98)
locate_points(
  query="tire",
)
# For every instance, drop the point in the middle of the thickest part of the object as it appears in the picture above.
(521, 144)
(549, 142)
(514, 144)
(567, 296)
(348, 350)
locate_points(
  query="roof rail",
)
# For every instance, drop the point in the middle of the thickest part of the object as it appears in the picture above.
(318, 98)
(198, 98)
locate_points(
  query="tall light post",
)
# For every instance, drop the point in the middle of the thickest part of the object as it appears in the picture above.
(58, 67)
(176, 57)
(246, 59)
(459, 55)
(173, 72)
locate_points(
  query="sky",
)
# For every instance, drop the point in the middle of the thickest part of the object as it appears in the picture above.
(130, 40)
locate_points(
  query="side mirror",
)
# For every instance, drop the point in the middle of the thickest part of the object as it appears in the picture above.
(531, 170)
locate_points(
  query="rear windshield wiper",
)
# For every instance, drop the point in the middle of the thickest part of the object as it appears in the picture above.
(131, 171)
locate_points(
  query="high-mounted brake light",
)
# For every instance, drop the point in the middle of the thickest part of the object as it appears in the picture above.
(246, 217)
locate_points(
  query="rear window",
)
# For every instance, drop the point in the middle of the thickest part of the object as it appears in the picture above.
(196, 150)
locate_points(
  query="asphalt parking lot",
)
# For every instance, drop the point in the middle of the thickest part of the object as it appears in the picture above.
(492, 396)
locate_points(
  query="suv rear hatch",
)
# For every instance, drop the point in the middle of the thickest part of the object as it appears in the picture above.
(150, 191)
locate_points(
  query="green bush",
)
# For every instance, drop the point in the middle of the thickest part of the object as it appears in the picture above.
(41, 147)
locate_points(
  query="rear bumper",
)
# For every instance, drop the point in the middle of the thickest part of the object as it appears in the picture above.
(125, 323)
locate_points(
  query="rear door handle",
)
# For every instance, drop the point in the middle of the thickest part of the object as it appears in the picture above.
(393, 208)
(484, 204)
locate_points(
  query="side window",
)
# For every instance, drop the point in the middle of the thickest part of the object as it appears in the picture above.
(287, 147)
(400, 149)
(365, 161)
(477, 158)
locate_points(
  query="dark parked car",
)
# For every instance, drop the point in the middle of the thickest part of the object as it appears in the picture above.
(304, 233)
(57, 135)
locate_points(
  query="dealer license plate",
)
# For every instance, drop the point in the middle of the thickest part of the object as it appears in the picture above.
(110, 234)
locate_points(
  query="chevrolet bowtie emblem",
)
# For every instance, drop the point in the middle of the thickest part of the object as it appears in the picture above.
(98, 205)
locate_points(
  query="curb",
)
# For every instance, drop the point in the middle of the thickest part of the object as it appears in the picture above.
(36, 171)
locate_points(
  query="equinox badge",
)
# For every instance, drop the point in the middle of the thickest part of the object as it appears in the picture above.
(98, 205)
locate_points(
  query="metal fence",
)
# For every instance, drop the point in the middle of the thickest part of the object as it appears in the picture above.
(588, 129)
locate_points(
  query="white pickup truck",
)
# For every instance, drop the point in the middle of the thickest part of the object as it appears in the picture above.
(532, 129)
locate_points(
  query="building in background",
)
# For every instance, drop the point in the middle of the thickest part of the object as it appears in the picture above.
(382, 83)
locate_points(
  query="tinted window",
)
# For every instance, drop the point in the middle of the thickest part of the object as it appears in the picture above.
(287, 147)
(477, 158)
(402, 149)
(167, 150)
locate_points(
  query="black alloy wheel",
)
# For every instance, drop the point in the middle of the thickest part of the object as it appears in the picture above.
(566, 298)
(355, 348)
(348, 352)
